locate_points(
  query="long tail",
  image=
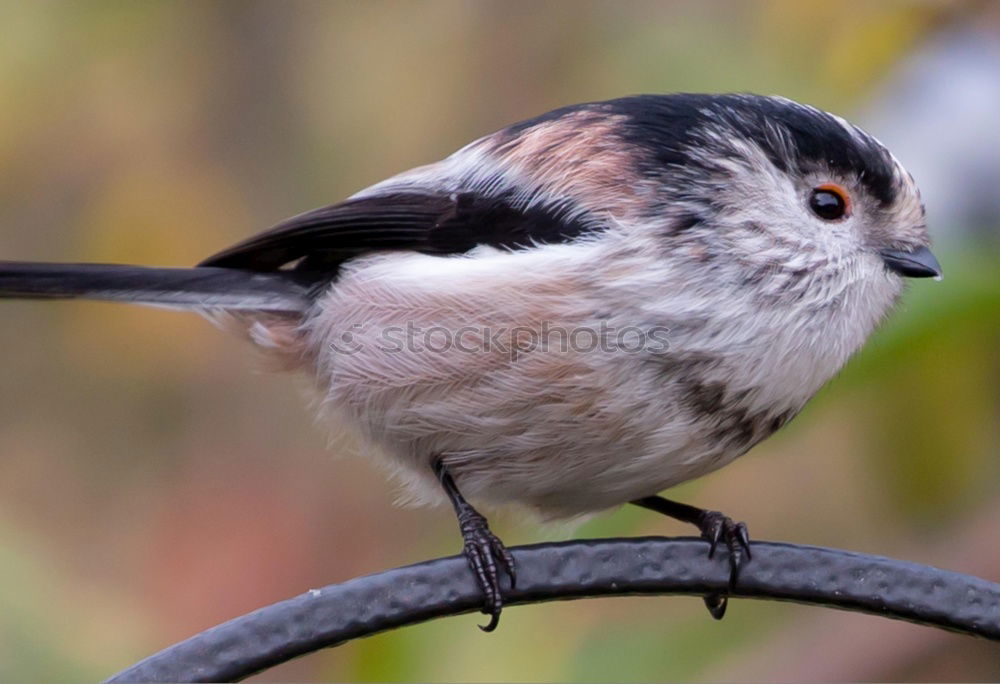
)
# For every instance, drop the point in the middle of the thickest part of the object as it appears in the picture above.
(204, 288)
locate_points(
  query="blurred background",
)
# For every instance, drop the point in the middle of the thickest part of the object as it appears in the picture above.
(153, 483)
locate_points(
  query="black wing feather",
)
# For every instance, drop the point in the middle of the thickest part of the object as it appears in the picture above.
(319, 240)
(340, 231)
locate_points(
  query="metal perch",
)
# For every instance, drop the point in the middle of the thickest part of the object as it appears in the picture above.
(368, 605)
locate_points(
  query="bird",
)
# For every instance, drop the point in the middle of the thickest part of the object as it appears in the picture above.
(573, 313)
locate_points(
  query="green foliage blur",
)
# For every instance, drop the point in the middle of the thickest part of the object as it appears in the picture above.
(152, 483)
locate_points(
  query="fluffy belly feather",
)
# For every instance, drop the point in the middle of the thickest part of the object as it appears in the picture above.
(495, 383)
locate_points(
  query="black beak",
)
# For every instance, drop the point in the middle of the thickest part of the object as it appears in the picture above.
(919, 263)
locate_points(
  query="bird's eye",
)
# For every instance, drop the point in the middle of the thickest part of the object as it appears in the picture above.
(830, 202)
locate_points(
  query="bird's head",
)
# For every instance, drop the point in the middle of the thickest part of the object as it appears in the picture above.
(779, 186)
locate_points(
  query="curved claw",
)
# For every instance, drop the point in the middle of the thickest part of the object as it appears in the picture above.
(716, 604)
(716, 527)
(494, 621)
(501, 554)
(744, 538)
(484, 568)
(484, 552)
(713, 534)
(738, 542)
(735, 565)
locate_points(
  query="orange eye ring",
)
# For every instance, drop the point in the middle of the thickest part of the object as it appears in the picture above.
(830, 202)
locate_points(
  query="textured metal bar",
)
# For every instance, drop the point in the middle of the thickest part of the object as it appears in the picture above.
(367, 605)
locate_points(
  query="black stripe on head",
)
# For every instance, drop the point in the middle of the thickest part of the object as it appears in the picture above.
(667, 126)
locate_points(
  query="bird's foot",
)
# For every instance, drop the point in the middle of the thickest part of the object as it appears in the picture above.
(716, 527)
(486, 555)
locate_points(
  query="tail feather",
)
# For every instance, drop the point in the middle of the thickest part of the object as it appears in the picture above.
(185, 288)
